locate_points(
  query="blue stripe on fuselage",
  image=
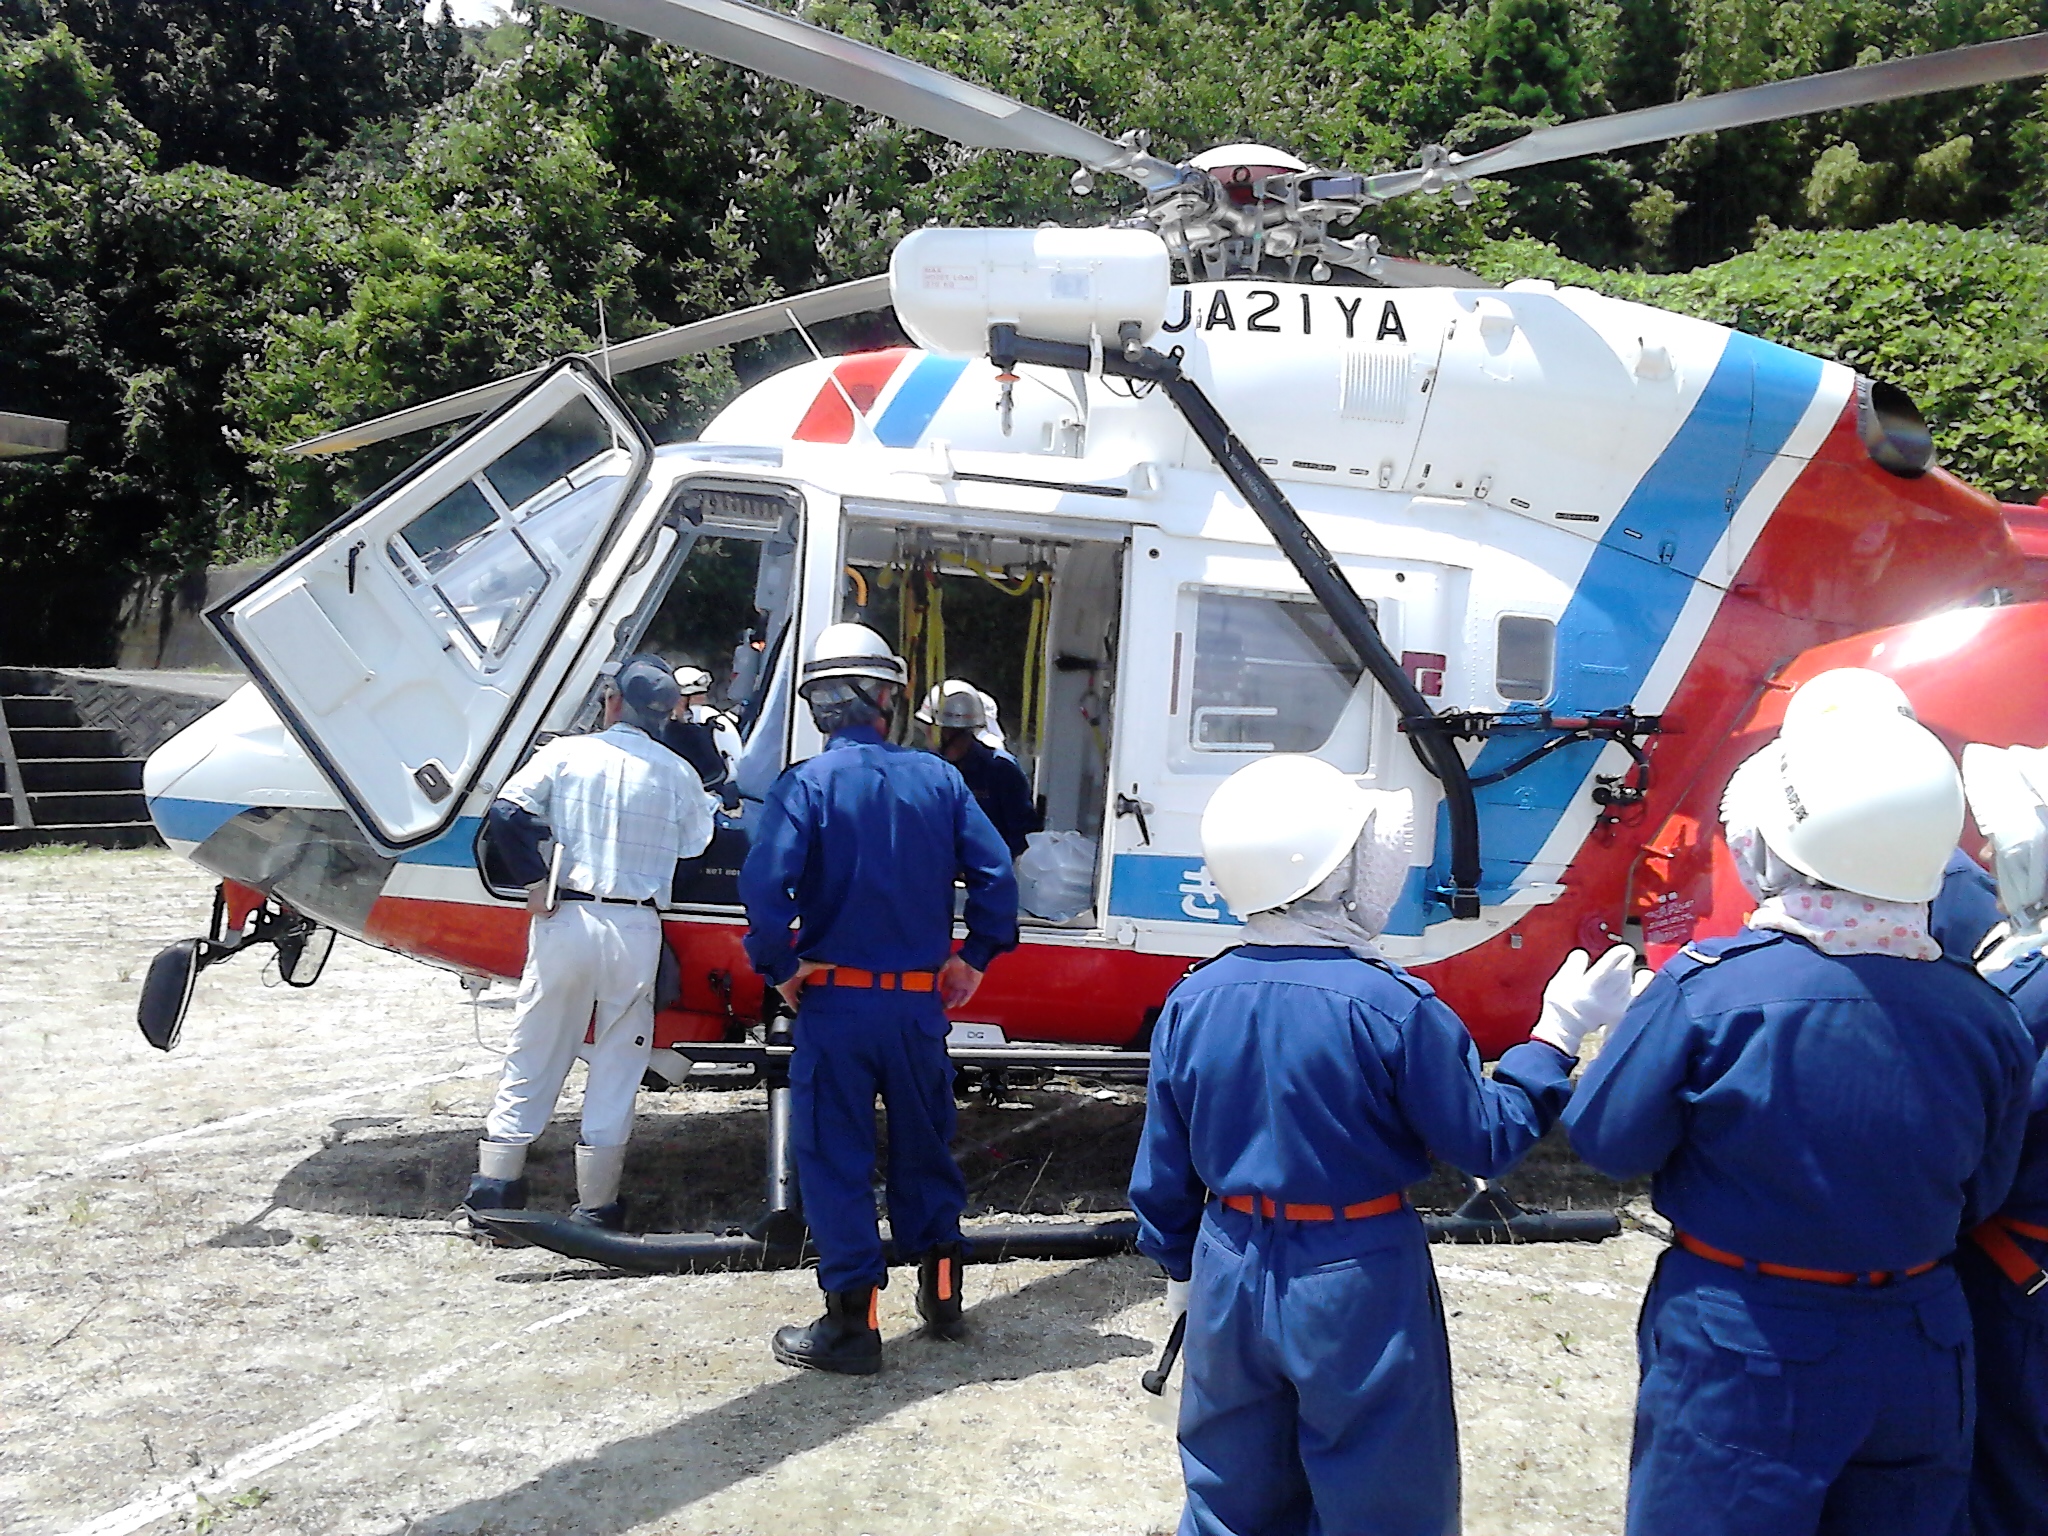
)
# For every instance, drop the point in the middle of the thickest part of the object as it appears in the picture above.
(453, 849)
(917, 400)
(194, 821)
(1633, 589)
(190, 821)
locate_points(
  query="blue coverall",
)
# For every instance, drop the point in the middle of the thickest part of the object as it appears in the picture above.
(2009, 1482)
(858, 848)
(1847, 1114)
(1964, 909)
(1001, 790)
(1318, 1386)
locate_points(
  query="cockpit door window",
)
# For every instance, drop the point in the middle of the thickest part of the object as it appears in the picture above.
(398, 644)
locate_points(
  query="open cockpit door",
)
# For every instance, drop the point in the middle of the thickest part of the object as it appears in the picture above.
(398, 643)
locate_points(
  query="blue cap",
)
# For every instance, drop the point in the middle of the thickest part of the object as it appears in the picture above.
(649, 690)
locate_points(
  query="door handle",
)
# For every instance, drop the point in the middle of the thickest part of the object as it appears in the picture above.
(1131, 805)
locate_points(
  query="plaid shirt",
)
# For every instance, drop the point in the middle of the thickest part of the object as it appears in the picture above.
(623, 807)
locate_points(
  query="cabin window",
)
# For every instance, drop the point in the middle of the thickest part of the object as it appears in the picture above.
(1525, 658)
(1270, 673)
(488, 549)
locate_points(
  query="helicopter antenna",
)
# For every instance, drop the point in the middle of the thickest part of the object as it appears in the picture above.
(860, 419)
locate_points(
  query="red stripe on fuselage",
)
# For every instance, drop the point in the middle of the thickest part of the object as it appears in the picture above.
(1848, 547)
(861, 378)
(1060, 993)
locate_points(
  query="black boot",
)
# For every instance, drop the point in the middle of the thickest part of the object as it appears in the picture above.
(938, 1291)
(488, 1195)
(612, 1217)
(845, 1339)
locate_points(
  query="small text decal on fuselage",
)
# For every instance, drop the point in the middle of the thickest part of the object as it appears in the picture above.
(1357, 315)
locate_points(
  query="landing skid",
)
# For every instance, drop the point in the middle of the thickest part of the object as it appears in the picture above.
(778, 1239)
(1490, 1215)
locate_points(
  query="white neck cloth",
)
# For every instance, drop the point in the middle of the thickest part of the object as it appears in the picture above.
(1834, 922)
(1350, 908)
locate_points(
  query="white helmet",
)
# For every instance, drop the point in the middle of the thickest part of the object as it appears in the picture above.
(693, 680)
(1828, 698)
(2008, 789)
(1871, 804)
(954, 704)
(1275, 829)
(852, 650)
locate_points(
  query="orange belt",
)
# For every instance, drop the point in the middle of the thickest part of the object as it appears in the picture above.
(1715, 1255)
(1261, 1206)
(887, 981)
(1995, 1238)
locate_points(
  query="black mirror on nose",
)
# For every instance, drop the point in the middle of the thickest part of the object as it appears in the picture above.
(167, 993)
(301, 957)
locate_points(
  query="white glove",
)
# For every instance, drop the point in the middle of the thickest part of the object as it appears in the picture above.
(1585, 996)
(1176, 1299)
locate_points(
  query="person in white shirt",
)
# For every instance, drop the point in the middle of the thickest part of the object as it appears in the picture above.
(622, 809)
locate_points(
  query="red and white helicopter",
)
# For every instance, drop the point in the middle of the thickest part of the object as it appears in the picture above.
(1229, 484)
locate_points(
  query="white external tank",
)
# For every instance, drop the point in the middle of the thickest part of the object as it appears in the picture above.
(950, 285)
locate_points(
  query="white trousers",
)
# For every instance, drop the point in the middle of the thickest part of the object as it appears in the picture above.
(586, 961)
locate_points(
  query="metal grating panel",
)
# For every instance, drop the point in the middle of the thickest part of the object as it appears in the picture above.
(1375, 384)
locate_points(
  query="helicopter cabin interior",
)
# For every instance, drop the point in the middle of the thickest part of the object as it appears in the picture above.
(1025, 609)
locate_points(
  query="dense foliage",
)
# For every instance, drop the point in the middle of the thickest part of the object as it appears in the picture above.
(225, 224)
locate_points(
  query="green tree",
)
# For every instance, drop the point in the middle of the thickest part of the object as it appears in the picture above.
(1650, 42)
(1529, 62)
(259, 87)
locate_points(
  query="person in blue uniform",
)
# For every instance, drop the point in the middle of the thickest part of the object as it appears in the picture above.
(1824, 1102)
(957, 718)
(1299, 1083)
(2004, 1266)
(1965, 909)
(849, 895)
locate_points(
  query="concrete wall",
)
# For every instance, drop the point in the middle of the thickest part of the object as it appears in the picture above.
(143, 709)
(163, 624)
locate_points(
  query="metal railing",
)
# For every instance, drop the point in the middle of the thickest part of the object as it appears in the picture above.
(17, 787)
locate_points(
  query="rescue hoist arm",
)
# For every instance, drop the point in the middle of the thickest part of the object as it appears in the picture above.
(1434, 745)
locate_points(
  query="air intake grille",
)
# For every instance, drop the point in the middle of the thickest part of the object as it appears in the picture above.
(1375, 384)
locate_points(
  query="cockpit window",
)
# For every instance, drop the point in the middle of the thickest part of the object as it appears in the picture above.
(573, 436)
(488, 549)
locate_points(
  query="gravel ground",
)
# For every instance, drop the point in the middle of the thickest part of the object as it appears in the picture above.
(229, 1303)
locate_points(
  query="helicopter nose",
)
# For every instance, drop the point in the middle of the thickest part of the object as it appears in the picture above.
(232, 759)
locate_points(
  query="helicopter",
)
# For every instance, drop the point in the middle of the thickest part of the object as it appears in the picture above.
(1209, 483)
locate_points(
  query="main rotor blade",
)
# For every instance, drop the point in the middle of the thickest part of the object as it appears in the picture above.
(841, 67)
(834, 303)
(2014, 58)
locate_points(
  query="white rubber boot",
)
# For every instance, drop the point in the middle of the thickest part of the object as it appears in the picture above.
(501, 1160)
(598, 1171)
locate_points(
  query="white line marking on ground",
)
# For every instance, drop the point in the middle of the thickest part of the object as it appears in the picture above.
(1506, 1277)
(187, 1492)
(269, 1111)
